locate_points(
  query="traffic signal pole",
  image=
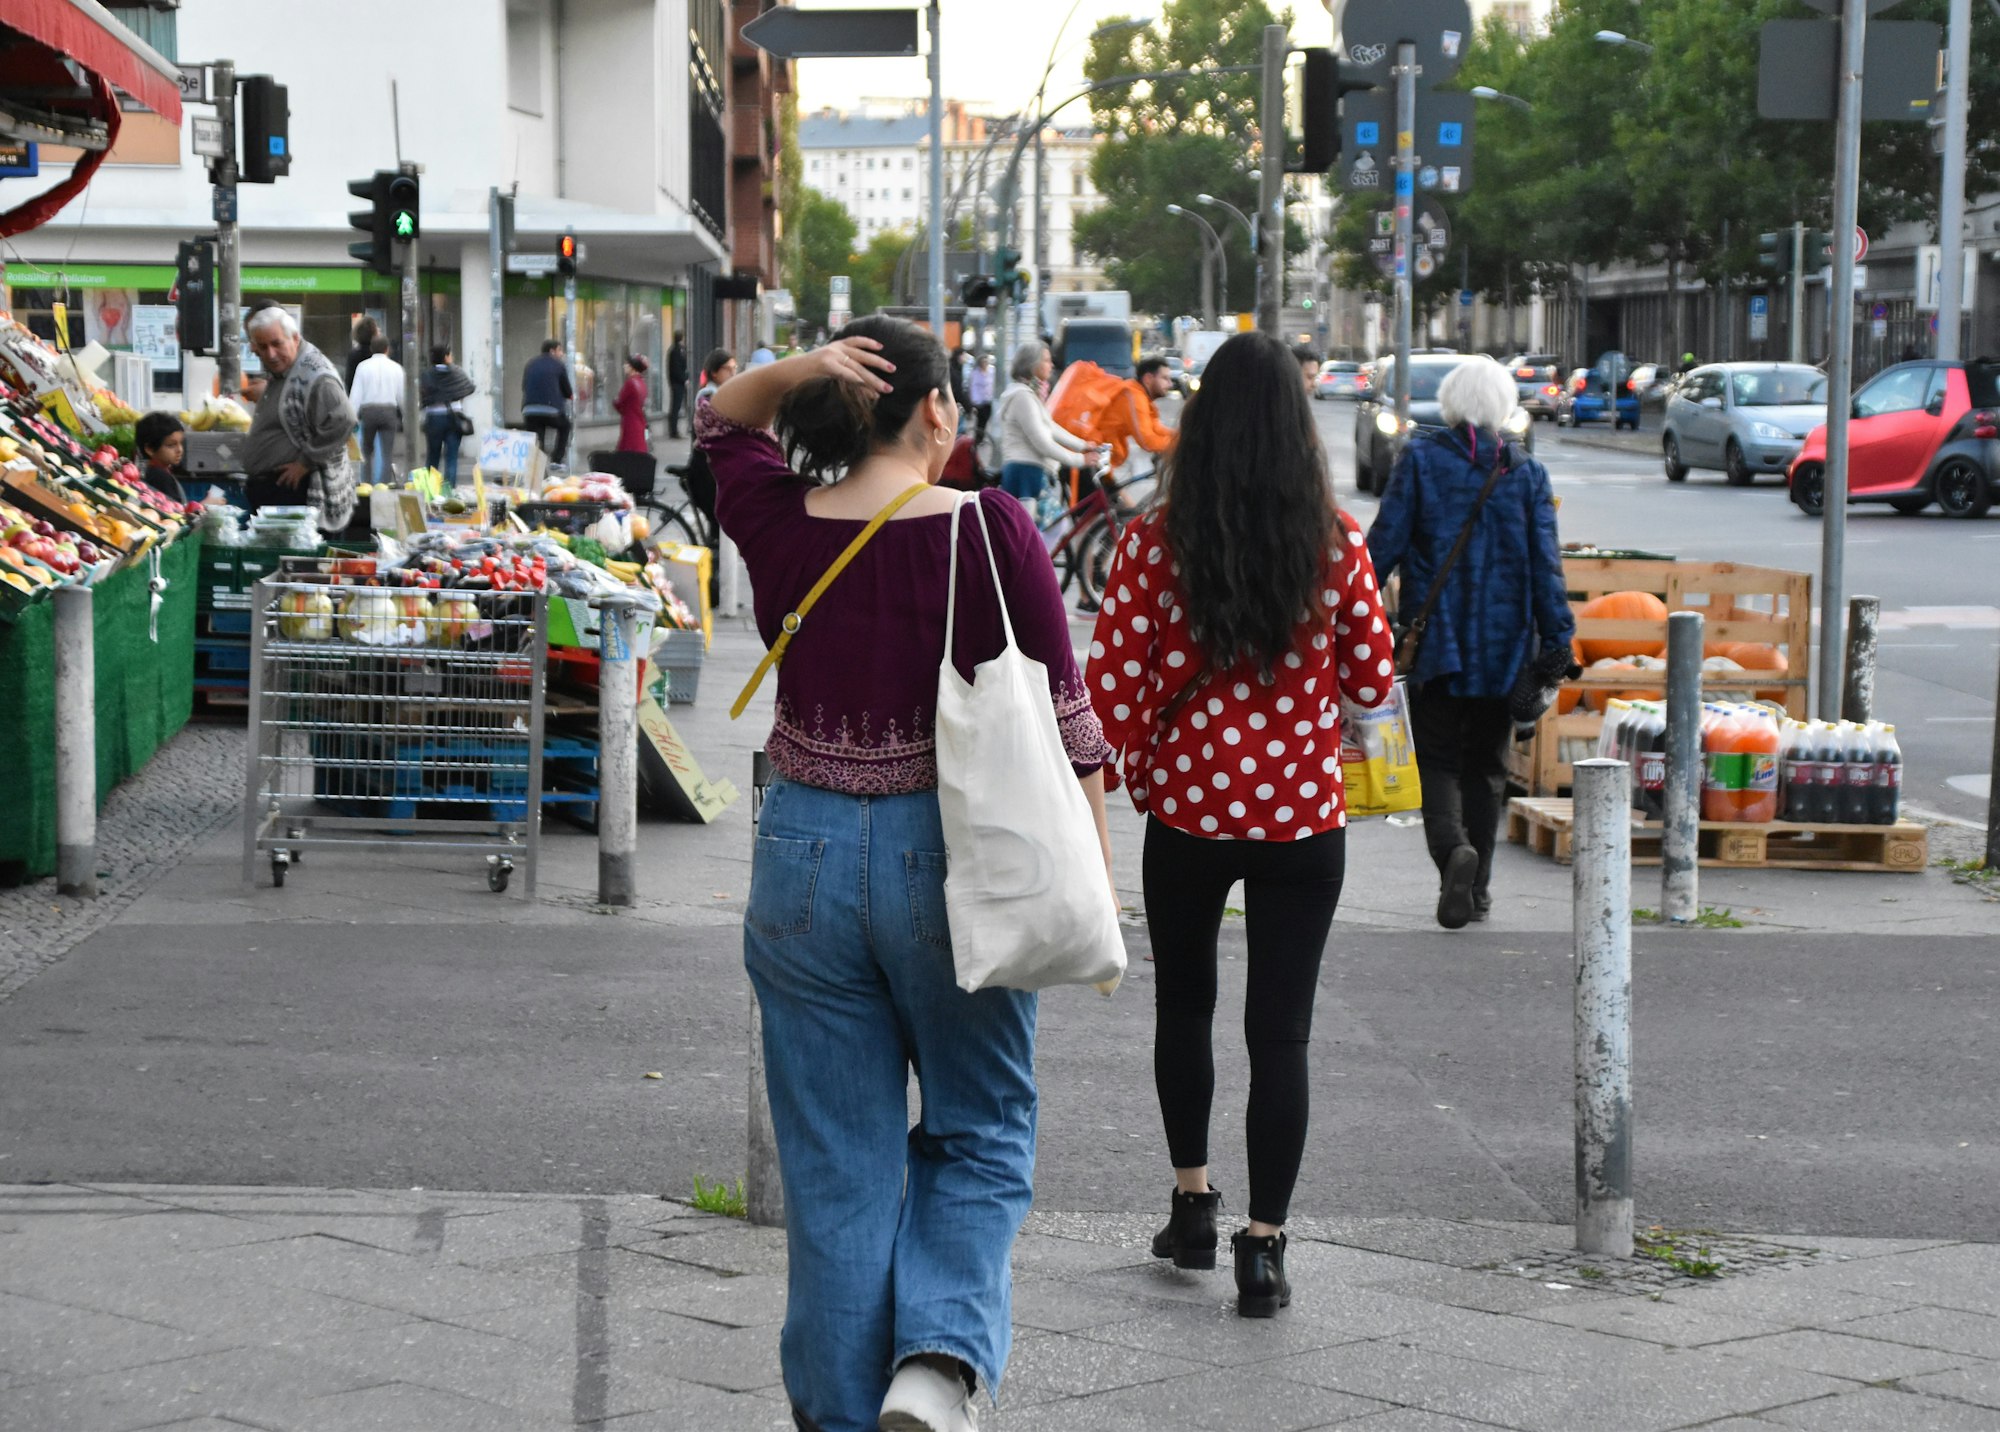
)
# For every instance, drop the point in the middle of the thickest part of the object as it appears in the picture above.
(228, 246)
(1271, 184)
(1840, 366)
(1795, 324)
(412, 415)
(1406, 187)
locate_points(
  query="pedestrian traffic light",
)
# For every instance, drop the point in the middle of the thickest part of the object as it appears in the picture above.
(404, 207)
(566, 255)
(1008, 275)
(267, 152)
(977, 290)
(1819, 248)
(194, 295)
(1774, 254)
(379, 251)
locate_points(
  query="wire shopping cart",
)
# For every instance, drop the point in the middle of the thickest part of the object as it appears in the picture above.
(393, 718)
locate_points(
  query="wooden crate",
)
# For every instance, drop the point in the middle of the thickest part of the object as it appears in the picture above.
(1738, 603)
(1545, 825)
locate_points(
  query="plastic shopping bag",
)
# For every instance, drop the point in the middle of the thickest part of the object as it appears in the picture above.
(1378, 757)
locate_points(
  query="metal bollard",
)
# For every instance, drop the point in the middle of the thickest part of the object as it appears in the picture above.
(729, 583)
(617, 751)
(1603, 933)
(1680, 835)
(763, 1188)
(76, 743)
(1857, 687)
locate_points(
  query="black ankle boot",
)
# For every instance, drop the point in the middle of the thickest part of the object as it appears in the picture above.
(1189, 1237)
(1261, 1286)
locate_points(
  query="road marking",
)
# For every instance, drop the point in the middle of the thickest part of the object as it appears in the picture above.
(1979, 786)
(1959, 720)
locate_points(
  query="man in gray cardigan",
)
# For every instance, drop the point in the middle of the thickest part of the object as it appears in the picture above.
(296, 451)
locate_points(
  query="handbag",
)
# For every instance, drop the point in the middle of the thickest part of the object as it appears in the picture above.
(1025, 892)
(795, 618)
(463, 423)
(1411, 638)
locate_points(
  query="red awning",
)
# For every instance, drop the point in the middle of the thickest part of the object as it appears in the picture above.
(85, 31)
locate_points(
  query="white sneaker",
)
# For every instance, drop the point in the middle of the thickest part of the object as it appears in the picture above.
(923, 1399)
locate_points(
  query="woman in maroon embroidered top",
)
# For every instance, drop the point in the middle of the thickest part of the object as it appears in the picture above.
(899, 1294)
(1235, 618)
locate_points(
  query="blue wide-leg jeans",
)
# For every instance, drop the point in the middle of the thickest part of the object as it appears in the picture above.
(899, 1237)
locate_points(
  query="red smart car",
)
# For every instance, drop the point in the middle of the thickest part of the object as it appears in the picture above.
(1921, 432)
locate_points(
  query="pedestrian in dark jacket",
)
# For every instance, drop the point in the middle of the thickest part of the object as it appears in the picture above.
(1501, 606)
(545, 398)
(677, 381)
(364, 344)
(440, 389)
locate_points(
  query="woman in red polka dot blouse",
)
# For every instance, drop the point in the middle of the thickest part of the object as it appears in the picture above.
(1235, 619)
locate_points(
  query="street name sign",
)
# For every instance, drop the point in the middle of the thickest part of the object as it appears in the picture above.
(193, 81)
(534, 265)
(206, 130)
(793, 34)
(1370, 30)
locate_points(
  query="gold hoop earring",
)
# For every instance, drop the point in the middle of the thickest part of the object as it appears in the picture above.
(938, 435)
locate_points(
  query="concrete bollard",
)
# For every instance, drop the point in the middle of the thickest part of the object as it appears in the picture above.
(1602, 925)
(76, 743)
(1680, 835)
(763, 1186)
(1857, 687)
(617, 750)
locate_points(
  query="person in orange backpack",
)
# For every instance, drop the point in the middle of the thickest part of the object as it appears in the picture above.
(1132, 417)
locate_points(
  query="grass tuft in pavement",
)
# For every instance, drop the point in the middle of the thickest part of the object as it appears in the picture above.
(719, 1197)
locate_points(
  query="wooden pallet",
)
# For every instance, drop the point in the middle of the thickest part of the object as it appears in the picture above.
(1545, 825)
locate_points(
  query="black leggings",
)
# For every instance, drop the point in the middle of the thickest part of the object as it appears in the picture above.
(1290, 891)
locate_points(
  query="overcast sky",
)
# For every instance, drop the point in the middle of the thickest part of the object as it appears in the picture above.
(994, 52)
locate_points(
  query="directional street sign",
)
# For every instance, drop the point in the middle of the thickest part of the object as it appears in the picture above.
(537, 265)
(793, 34)
(1443, 141)
(1370, 30)
(194, 84)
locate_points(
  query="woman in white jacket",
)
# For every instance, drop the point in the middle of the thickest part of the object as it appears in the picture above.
(1032, 447)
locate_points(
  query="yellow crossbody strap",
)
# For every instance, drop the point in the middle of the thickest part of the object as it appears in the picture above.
(796, 617)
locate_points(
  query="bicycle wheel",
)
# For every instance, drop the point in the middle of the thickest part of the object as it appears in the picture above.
(671, 525)
(1091, 556)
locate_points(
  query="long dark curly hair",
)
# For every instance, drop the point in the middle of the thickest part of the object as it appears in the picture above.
(1249, 512)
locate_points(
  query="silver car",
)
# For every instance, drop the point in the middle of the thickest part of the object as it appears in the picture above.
(1743, 418)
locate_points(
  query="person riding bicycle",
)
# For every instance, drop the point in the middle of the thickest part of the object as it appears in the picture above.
(1132, 418)
(1032, 447)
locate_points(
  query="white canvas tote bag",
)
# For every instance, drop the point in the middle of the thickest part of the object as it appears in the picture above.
(1025, 890)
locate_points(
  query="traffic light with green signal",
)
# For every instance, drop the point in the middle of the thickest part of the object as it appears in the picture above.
(1008, 274)
(392, 217)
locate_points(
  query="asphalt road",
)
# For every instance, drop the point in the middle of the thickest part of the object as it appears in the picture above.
(1788, 1082)
(1939, 581)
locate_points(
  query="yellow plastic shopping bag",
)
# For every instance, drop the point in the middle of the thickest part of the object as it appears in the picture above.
(1378, 757)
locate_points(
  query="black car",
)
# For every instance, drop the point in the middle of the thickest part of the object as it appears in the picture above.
(1377, 440)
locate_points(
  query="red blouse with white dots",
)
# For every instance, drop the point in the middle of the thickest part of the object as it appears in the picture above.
(1245, 757)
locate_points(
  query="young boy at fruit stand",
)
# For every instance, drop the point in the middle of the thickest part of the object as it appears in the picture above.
(158, 439)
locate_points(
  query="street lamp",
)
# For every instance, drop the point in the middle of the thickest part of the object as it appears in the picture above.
(1488, 92)
(1249, 229)
(1222, 258)
(1614, 37)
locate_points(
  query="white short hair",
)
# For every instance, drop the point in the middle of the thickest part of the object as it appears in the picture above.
(1478, 391)
(265, 317)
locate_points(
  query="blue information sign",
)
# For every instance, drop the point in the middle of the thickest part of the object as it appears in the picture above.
(1403, 183)
(1451, 136)
(1367, 132)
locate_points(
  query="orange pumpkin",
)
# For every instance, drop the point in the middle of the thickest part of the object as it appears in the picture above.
(1599, 698)
(1622, 606)
(1758, 656)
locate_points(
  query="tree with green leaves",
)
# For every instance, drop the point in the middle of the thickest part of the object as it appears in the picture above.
(825, 234)
(1167, 141)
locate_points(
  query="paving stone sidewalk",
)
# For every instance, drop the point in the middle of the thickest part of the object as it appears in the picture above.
(331, 1310)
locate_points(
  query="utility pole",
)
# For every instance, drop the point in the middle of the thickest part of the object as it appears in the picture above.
(228, 246)
(1271, 184)
(1840, 366)
(1406, 188)
(1951, 199)
(412, 415)
(1041, 228)
(937, 180)
(499, 222)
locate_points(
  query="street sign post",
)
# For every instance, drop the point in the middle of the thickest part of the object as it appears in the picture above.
(194, 85)
(206, 131)
(1798, 65)
(1760, 318)
(1440, 30)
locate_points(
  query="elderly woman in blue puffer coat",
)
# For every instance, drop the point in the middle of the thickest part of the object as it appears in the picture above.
(1502, 606)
